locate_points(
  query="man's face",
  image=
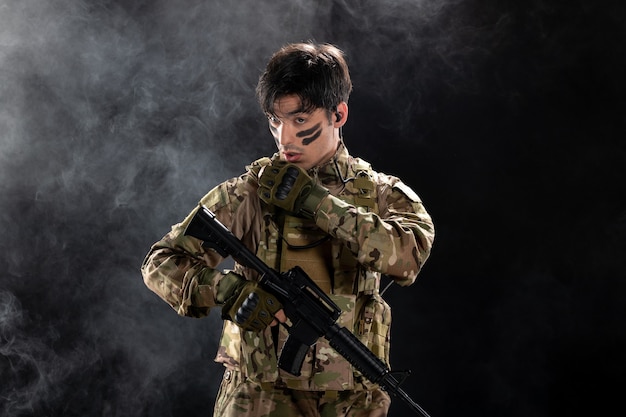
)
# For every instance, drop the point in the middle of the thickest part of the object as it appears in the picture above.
(305, 139)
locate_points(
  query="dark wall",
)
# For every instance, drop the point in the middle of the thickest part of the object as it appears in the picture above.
(508, 118)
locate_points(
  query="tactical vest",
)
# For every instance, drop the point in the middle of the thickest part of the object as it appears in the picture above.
(287, 241)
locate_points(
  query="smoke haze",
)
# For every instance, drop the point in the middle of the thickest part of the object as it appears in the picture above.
(507, 118)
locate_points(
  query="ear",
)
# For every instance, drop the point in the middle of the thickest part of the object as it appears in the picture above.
(341, 115)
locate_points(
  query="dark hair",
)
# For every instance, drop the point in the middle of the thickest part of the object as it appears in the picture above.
(317, 73)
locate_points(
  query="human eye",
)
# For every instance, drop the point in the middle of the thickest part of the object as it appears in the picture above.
(300, 120)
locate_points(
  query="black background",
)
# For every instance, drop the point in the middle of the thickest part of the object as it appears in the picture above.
(507, 117)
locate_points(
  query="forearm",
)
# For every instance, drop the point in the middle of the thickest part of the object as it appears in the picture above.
(177, 271)
(397, 245)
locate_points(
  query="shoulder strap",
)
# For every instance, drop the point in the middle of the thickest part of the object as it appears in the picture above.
(364, 186)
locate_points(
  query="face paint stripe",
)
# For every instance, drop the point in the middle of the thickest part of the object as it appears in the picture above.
(307, 141)
(308, 131)
(311, 134)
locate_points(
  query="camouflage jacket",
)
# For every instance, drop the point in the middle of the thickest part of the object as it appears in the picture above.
(377, 225)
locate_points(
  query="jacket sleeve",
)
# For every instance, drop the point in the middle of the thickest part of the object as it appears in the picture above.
(179, 270)
(397, 241)
(182, 273)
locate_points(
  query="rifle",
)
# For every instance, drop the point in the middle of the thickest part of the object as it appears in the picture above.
(311, 312)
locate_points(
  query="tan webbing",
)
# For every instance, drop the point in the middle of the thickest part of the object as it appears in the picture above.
(315, 260)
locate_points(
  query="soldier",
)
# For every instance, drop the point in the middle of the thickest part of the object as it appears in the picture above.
(342, 222)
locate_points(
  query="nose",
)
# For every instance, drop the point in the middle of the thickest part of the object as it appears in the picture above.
(284, 134)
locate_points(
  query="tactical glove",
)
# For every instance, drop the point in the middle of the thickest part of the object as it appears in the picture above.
(245, 303)
(289, 187)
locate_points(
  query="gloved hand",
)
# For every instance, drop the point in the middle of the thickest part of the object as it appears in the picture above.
(289, 187)
(245, 303)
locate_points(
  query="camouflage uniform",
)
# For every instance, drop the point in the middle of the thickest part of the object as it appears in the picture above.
(376, 224)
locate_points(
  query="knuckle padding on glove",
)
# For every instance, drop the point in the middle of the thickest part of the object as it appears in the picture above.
(247, 308)
(254, 309)
(289, 179)
(290, 188)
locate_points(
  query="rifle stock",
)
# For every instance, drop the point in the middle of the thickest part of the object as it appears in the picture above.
(311, 312)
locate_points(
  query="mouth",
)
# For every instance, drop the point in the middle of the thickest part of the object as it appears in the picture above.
(292, 156)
